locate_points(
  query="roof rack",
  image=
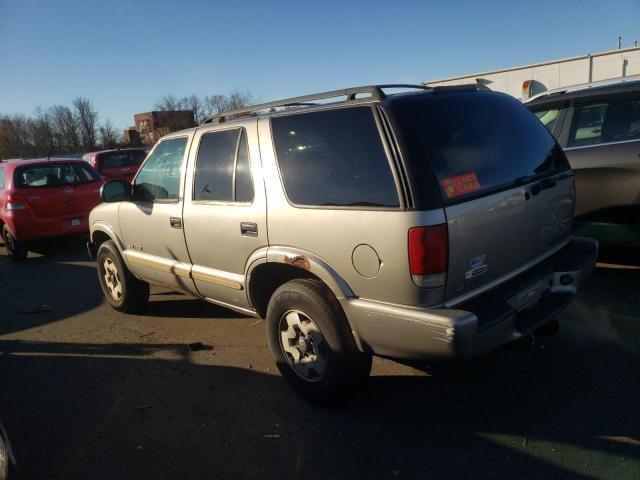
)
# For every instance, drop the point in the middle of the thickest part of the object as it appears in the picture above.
(376, 93)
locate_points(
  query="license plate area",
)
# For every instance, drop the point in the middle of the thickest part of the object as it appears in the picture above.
(529, 296)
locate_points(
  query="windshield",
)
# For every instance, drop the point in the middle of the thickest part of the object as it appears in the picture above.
(56, 175)
(478, 142)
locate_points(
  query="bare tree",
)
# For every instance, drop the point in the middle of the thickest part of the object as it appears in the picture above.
(65, 128)
(109, 135)
(237, 100)
(168, 103)
(42, 134)
(195, 104)
(87, 120)
(214, 105)
(14, 137)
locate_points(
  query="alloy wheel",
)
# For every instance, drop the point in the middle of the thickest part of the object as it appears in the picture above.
(303, 345)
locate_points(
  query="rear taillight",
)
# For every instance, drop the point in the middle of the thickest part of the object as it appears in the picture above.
(16, 202)
(428, 255)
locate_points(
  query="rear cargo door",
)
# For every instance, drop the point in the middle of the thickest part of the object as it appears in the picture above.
(495, 236)
(505, 183)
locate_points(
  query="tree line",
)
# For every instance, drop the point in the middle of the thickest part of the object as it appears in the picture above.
(59, 129)
(77, 128)
(207, 105)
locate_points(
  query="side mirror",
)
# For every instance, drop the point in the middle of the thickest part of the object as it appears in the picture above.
(115, 191)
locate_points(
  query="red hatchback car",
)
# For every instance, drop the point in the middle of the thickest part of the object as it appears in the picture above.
(122, 164)
(45, 198)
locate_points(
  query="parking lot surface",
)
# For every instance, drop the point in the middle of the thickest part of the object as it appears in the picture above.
(87, 392)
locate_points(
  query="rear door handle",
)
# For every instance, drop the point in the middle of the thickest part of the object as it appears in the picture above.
(249, 229)
(175, 222)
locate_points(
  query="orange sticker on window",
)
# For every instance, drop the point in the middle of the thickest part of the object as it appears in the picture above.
(461, 185)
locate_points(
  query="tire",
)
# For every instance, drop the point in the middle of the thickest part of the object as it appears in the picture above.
(121, 289)
(17, 251)
(312, 343)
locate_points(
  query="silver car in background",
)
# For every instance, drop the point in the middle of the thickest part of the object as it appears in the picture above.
(598, 126)
(428, 225)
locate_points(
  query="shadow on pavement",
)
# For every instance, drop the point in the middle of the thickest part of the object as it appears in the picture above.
(567, 408)
(122, 411)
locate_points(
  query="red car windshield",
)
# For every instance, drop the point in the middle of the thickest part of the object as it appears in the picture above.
(54, 175)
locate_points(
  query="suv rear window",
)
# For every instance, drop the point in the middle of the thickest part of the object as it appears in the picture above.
(120, 159)
(478, 142)
(334, 158)
(54, 175)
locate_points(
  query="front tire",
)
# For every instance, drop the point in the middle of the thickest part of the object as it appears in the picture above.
(312, 343)
(17, 251)
(121, 288)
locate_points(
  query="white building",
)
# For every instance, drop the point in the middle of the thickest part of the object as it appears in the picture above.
(528, 80)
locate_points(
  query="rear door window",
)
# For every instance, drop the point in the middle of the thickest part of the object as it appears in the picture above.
(223, 173)
(1, 178)
(159, 177)
(478, 142)
(605, 122)
(334, 158)
(548, 117)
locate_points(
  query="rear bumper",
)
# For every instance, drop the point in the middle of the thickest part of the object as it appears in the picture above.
(506, 313)
(26, 226)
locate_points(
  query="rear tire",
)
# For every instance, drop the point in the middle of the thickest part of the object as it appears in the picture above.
(312, 343)
(17, 251)
(121, 288)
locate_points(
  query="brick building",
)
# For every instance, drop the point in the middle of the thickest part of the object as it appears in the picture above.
(152, 125)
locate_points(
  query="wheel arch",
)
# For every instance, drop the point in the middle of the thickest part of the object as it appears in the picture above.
(101, 232)
(278, 265)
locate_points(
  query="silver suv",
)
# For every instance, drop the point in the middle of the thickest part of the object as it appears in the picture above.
(430, 224)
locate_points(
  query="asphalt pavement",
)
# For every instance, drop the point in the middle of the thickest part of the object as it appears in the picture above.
(87, 392)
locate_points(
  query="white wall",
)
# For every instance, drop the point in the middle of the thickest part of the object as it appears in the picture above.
(556, 74)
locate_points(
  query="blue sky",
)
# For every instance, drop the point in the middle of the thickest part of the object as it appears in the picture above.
(125, 55)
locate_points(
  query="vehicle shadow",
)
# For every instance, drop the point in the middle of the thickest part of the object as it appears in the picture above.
(62, 282)
(565, 409)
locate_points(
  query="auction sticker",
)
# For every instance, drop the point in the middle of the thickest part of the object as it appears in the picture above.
(461, 185)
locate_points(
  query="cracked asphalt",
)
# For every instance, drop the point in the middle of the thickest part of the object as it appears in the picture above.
(87, 392)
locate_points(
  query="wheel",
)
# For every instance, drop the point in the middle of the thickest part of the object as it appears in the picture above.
(122, 290)
(312, 343)
(17, 250)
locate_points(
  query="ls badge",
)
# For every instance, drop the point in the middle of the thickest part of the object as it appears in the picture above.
(477, 266)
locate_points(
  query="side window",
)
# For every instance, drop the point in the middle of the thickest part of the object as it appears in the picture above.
(1, 178)
(159, 177)
(84, 174)
(244, 183)
(223, 171)
(605, 122)
(548, 117)
(334, 158)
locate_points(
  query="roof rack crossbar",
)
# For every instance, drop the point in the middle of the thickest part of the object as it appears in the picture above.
(376, 93)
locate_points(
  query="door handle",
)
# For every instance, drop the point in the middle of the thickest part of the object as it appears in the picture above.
(175, 222)
(249, 229)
